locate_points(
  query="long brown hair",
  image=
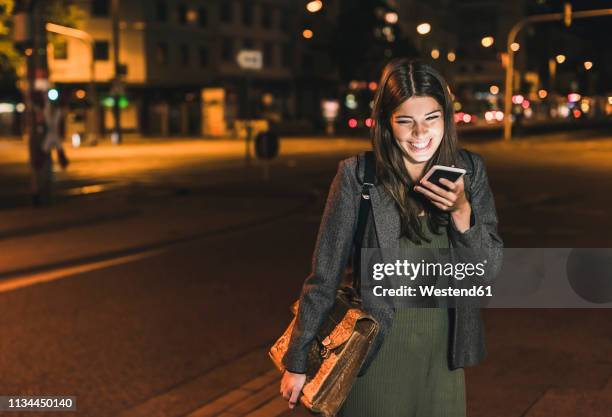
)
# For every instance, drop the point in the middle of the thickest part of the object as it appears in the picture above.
(401, 79)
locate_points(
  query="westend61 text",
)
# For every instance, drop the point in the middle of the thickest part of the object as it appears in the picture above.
(432, 291)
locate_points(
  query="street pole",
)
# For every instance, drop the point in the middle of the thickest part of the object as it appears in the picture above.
(247, 124)
(116, 138)
(30, 33)
(508, 91)
(88, 40)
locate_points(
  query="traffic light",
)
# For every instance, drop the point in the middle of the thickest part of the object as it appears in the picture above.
(567, 13)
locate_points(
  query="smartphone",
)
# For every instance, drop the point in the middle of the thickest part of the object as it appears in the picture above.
(440, 171)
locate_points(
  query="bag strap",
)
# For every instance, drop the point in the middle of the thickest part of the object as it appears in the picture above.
(364, 207)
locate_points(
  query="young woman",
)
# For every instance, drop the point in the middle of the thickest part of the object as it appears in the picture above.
(418, 370)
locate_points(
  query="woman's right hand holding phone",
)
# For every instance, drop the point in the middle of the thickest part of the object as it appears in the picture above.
(291, 387)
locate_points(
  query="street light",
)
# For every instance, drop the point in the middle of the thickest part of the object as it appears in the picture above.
(391, 18)
(451, 56)
(424, 28)
(314, 6)
(560, 58)
(307, 34)
(435, 53)
(588, 65)
(487, 41)
(515, 46)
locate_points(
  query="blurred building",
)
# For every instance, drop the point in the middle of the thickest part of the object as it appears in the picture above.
(181, 76)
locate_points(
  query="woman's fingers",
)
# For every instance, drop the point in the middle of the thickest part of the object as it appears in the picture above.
(451, 185)
(433, 197)
(294, 398)
(449, 195)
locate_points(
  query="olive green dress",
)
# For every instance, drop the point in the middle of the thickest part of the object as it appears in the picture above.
(409, 376)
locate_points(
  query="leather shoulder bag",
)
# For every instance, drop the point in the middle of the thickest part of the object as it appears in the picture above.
(345, 336)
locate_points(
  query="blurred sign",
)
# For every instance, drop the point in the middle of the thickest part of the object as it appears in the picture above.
(250, 59)
(330, 109)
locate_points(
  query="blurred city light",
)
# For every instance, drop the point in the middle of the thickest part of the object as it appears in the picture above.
(391, 17)
(588, 65)
(525, 104)
(542, 94)
(573, 97)
(577, 113)
(80, 93)
(424, 28)
(53, 94)
(609, 99)
(499, 115)
(372, 85)
(368, 122)
(494, 89)
(314, 6)
(560, 58)
(435, 53)
(487, 41)
(457, 106)
(7, 107)
(76, 140)
(517, 99)
(307, 34)
(352, 123)
(350, 101)
(108, 102)
(20, 107)
(515, 46)
(451, 56)
(467, 118)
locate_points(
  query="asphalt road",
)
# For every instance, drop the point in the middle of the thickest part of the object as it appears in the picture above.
(179, 261)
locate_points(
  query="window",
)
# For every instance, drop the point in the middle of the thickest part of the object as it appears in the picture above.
(203, 56)
(247, 13)
(184, 54)
(202, 17)
(227, 49)
(161, 53)
(247, 43)
(284, 20)
(100, 8)
(226, 11)
(60, 49)
(100, 50)
(286, 56)
(182, 14)
(266, 17)
(161, 11)
(268, 54)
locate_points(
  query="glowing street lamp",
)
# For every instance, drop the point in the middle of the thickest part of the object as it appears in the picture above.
(307, 34)
(435, 53)
(560, 58)
(487, 41)
(314, 6)
(391, 18)
(423, 28)
(515, 46)
(494, 89)
(588, 65)
(451, 56)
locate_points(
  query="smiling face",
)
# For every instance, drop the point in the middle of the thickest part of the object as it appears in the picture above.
(418, 127)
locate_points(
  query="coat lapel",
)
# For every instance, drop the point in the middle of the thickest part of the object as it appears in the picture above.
(386, 218)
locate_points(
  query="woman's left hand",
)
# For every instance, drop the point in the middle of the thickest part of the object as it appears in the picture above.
(450, 200)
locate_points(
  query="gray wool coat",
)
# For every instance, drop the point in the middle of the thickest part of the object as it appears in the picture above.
(335, 243)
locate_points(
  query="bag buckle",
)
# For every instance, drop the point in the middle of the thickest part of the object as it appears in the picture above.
(325, 351)
(366, 193)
